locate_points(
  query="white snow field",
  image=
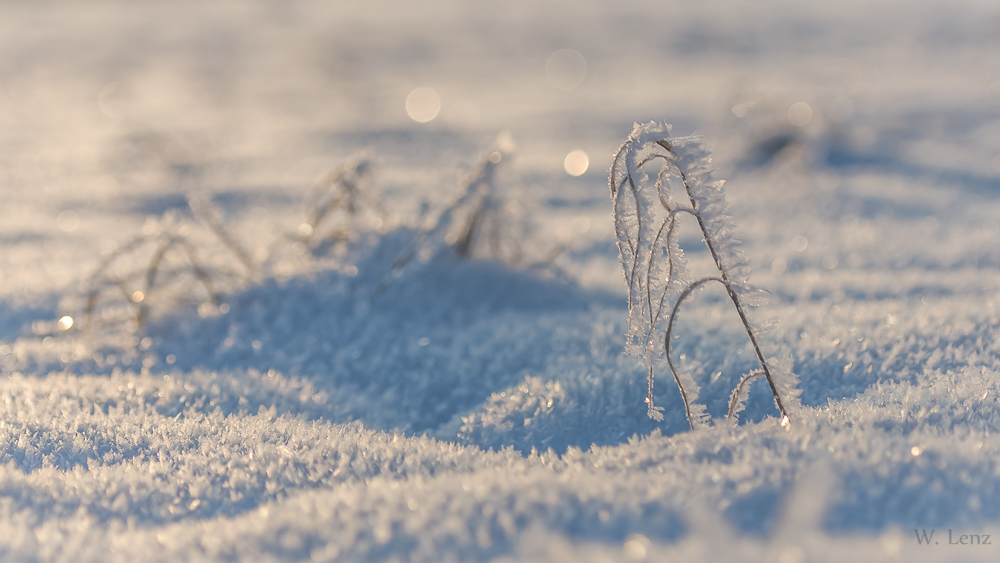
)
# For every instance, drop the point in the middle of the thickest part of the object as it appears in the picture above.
(328, 407)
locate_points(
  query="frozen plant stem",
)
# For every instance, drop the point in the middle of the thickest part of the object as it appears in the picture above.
(124, 285)
(203, 209)
(474, 214)
(643, 251)
(724, 280)
(339, 208)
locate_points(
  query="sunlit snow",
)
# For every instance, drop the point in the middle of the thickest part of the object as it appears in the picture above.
(334, 281)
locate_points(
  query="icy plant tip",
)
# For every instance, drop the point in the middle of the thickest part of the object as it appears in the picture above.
(654, 179)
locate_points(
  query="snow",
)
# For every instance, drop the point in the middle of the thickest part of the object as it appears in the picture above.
(485, 409)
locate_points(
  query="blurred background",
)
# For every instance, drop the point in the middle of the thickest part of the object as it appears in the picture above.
(113, 111)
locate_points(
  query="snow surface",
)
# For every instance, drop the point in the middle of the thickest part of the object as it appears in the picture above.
(477, 409)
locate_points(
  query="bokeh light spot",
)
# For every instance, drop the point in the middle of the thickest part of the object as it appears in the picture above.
(576, 162)
(566, 69)
(779, 264)
(800, 114)
(109, 101)
(636, 547)
(68, 220)
(65, 323)
(423, 104)
(791, 554)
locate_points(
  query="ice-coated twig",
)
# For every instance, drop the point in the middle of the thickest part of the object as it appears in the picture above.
(203, 209)
(462, 223)
(737, 402)
(172, 254)
(347, 189)
(338, 207)
(646, 216)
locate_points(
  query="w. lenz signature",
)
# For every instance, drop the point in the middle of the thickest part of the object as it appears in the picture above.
(925, 537)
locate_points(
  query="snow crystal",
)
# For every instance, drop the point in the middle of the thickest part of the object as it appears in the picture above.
(481, 406)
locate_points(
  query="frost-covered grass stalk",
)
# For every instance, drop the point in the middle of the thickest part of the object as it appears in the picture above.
(473, 218)
(162, 264)
(339, 207)
(646, 215)
(203, 209)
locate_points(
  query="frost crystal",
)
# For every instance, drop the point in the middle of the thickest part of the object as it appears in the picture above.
(646, 217)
